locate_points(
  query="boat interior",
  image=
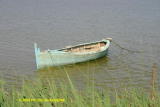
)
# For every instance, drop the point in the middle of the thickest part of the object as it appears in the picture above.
(93, 47)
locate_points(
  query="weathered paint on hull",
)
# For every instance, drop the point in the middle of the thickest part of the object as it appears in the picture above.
(56, 58)
(53, 59)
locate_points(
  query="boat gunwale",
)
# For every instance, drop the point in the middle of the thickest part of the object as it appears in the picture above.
(60, 51)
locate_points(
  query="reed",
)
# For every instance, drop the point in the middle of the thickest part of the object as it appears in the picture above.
(153, 81)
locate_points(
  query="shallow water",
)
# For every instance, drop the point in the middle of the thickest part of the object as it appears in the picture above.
(57, 23)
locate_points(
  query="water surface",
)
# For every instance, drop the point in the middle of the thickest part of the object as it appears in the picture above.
(56, 23)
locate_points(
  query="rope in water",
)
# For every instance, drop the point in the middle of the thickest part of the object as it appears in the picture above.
(51, 57)
(118, 45)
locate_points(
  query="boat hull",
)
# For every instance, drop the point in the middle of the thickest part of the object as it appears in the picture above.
(57, 58)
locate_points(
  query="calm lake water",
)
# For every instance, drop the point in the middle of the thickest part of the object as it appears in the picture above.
(54, 24)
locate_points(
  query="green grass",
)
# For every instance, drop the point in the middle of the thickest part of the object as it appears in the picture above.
(75, 97)
(89, 97)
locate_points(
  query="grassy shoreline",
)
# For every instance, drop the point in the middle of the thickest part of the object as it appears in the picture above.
(89, 97)
(46, 93)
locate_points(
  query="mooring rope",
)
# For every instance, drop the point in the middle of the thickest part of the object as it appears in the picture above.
(118, 45)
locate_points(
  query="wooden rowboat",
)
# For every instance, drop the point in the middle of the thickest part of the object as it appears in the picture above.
(72, 54)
